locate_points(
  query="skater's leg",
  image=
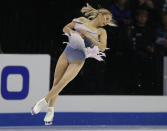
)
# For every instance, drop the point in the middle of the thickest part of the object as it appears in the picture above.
(61, 67)
(71, 72)
(52, 101)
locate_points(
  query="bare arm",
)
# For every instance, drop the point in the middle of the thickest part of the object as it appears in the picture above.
(102, 43)
(69, 27)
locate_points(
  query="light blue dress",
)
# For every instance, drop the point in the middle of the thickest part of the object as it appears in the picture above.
(77, 54)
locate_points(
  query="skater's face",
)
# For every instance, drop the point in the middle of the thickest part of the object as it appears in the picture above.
(104, 19)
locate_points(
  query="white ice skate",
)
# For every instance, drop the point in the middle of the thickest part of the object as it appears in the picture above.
(38, 106)
(49, 116)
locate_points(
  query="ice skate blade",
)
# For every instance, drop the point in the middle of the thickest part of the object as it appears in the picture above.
(32, 112)
(47, 123)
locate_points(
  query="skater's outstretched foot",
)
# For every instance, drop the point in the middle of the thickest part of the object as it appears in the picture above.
(38, 106)
(49, 116)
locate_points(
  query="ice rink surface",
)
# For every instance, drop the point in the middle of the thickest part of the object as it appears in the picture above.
(85, 128)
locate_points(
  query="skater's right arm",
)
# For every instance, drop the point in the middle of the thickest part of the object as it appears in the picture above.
(69, 28)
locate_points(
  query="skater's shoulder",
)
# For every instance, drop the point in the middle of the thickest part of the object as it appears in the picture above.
(81, 19)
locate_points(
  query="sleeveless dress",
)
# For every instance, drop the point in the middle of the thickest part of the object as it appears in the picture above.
(78, 48)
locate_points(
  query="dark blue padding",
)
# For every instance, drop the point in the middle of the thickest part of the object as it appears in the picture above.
(85, 118)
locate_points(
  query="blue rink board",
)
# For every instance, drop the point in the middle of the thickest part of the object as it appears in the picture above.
(85, 118)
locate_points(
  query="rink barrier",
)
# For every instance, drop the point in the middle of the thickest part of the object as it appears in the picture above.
(85, 118)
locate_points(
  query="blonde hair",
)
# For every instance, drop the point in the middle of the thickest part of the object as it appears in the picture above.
(92, 13)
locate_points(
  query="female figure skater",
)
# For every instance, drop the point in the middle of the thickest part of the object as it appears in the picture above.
(87, 38)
